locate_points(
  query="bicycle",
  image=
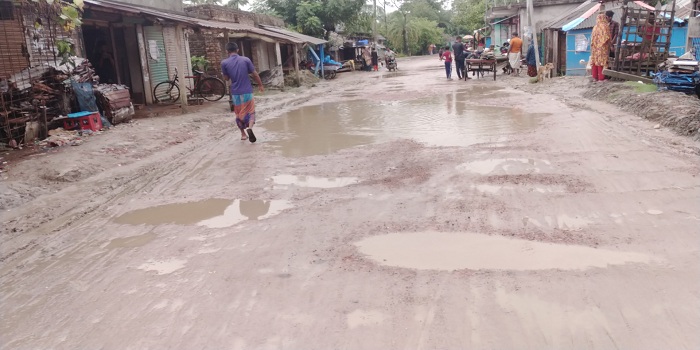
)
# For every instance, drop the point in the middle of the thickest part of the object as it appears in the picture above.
(209, 88)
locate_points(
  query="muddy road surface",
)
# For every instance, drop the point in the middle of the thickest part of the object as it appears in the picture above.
(376, 211)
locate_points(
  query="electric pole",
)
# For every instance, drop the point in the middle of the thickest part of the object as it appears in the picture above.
(530, 11)
(374, 23)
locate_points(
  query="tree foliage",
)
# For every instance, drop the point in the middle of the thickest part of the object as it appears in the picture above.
(412, 34)
(69, 15)
(316, 17)
(362, 23)
(415, 24)
(468, 15)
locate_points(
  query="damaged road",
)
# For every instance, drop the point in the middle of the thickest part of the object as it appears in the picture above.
(376, 211)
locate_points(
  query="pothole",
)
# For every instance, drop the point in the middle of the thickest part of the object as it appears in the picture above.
(314, 181)
(447, 121)
(212, 213)
(506, 166)
(132, 241)
(457, 251)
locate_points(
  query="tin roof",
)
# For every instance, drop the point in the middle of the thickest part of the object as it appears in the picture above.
(299, 36)
(244, 28)
(567, 17)
(684, 8)
(588, 22)
(142, 10)
(196, 22)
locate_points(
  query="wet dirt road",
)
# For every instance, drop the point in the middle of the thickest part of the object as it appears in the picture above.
(397, 211)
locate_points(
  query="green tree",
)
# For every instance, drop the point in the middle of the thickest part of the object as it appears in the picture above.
(307, 18)
(362, 23)
(413, 33)
(305, 15)
(468, 15)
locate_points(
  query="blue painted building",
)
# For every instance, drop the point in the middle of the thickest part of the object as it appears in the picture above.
(574, 58)
(574, 54)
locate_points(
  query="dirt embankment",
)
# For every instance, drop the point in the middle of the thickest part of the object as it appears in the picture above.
(674, 110)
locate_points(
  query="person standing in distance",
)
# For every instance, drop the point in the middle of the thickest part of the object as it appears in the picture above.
(236, 69)
(614, 32)
(458, 51)
(514, 53)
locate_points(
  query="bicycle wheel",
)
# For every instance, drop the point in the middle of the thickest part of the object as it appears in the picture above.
(212, 89)
(166, 92)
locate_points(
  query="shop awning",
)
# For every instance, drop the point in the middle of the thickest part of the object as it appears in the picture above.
(299, 36)
(503, 20)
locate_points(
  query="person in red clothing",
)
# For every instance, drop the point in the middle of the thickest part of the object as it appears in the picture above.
(447, 56)
(651, 33)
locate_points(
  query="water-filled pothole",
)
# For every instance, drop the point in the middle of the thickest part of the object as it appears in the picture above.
(506, 166)
(314, 181)
(456, 251)
(213, 213)
(436, 121)
(132, 241)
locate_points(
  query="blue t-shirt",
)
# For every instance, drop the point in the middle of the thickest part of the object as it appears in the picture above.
(237, 69)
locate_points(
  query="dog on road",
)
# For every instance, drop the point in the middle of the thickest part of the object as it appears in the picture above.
(507, 69)
(545, 72)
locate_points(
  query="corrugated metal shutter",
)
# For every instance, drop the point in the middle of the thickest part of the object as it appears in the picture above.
(12, 40)
(170, 40)
(155, 52)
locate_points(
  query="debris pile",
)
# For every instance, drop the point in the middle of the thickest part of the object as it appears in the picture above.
(61, 137)
(42, 93)
(681, 75)
(115, 102)
(306, 79)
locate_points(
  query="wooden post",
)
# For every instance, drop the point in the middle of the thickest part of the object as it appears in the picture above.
(278, 53)
(618, 44)
(181, 62)
(117, 71)
(143, 53)
(296, 63)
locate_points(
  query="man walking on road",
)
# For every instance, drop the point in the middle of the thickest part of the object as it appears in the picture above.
(458, 49)
(514, 53)
(236, 68)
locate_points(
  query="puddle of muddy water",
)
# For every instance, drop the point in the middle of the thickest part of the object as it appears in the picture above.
(212, 213)
(456, 251)
(506, 166)
(437, 121)
(132, 241)
(313, 181)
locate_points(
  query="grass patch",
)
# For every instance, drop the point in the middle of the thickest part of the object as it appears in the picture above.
(641, 88)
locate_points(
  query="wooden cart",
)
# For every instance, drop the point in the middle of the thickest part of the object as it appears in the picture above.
(480, 66)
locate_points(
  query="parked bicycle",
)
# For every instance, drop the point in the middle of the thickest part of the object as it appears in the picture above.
(209, 88)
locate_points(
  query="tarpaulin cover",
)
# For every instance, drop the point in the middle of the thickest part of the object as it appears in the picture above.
(87, 101)
(682, 82)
